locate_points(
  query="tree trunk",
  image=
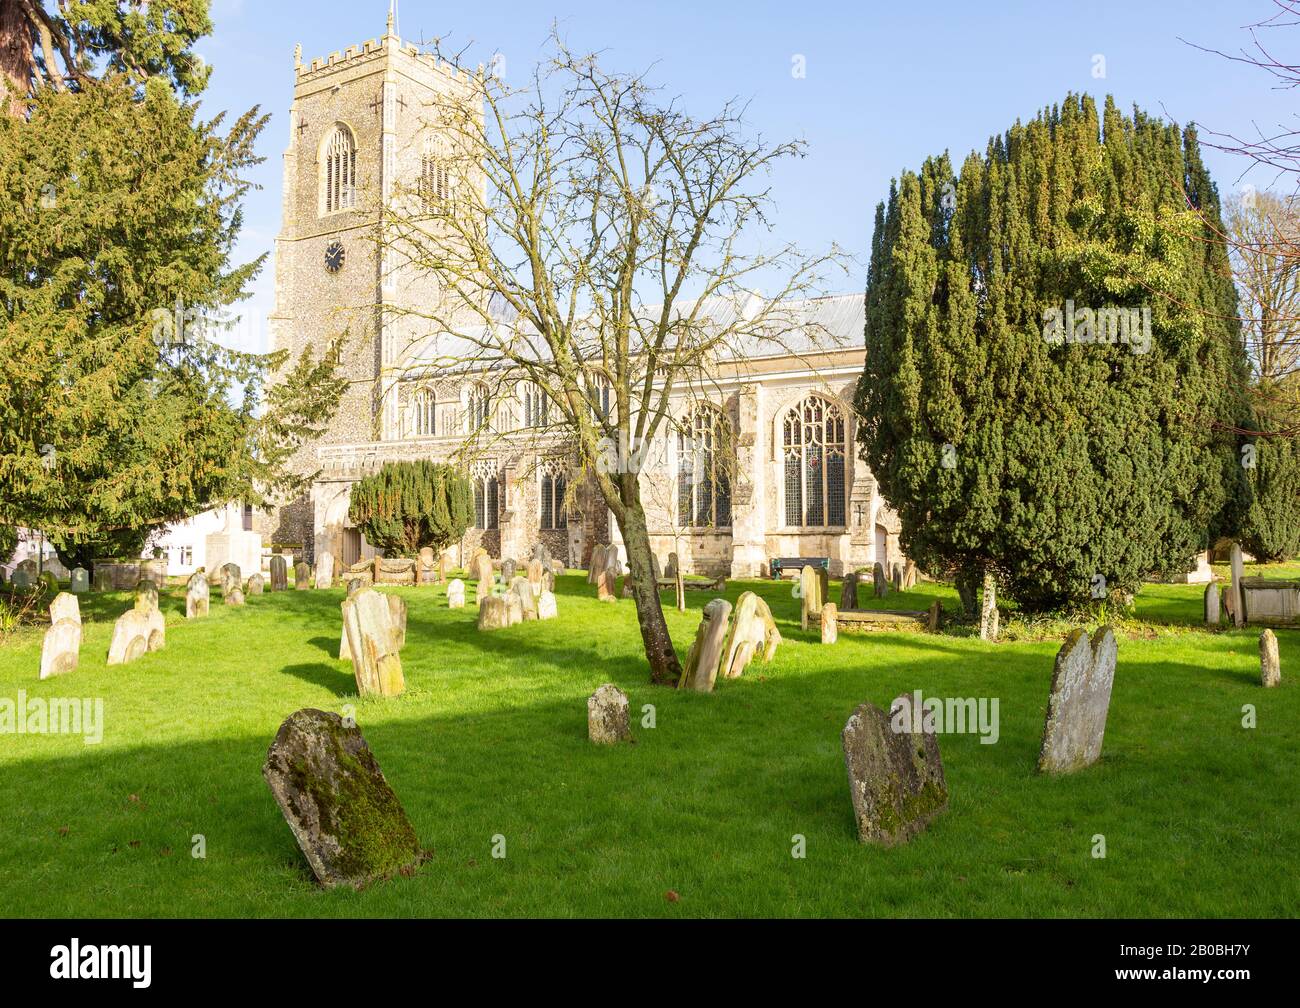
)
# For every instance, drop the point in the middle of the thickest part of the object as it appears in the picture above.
(665, 669)
(968, 579)
(989, 610)
(15, 59)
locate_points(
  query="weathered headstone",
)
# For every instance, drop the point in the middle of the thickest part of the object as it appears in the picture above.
(368, 626)
(701, 670)
(598, 563)
(493, 613)
(196, 596)
(325, 570)
(397, 613)
(1270, 665)
(753, 631)
(444, 565)
(536, 575)
(256, 585)
(910, 575)
(103, 578)
(301, 575)
(546, 606)
(130, 637)
(514, 609)
(989, 609)
(878, 580)
(427, 566)
(348, 823)
(935, 617)
(849, 591)
(1238, 607)
(1227, 596)
(810, 595)
(1212, 615)
(481, 571)
(539, 552)
(50, 582)
(508, 567)
(896, 780)
(605, 586)
(61, 648)
(234, 597)
(670, 572)
(607, 716)
(146, 596)
(897, 577)
(1079, 702)
(522, 588)
(456, 594)
(830, 623)
(231, 578)
(80, 581)
(279, 573)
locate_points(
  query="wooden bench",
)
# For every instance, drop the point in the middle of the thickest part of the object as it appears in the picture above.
(779, 564)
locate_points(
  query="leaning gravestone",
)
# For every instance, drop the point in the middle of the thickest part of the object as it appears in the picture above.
(133, 634)
(301, 576)
(1238, 608)
(61, 649)
(348, 823)
(1270, 665)
(397, 613)
(371, 644)
(910, 574)
(279, 573)
(256, 585)
(231, 578)
(701, 670)
(546, 606)
(607, 717)
(1079, 702)
(325, 570)
(849, 591)
(456, 594)
(596, 565)
(605, 586)
(896, 780)
(80, 581)
(196, 596)
(752, 630)
(878, 580)
(1212, 614)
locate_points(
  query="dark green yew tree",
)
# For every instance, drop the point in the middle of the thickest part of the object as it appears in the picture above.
(409, 505)
(1065, 463)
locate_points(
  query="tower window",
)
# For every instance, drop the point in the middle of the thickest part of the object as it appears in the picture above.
(435, 184)
(340, 170)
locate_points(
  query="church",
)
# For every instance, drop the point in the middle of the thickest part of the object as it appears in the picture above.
(792, 486)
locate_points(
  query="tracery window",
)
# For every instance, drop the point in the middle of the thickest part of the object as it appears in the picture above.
(703, 470)
(340, 170)
(814, 455)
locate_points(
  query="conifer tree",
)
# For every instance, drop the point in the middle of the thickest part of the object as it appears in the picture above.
(409, 505)
(1069, 467)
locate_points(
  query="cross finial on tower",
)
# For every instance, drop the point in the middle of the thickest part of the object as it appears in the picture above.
(392, 17)
(297, 55)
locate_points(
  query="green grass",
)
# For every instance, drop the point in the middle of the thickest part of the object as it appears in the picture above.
(1199, 814)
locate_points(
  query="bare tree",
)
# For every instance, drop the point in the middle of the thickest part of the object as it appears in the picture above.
(601, 244)
(1262, 230)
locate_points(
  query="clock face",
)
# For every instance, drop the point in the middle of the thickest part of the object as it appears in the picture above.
(334, 257)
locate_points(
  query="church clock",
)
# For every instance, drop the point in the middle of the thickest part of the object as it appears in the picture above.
(334, 257)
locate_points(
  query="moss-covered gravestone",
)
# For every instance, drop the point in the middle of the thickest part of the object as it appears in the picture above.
(701, 669)
(896, 777)
(346, 819)
(1079, 702)
(607, 716)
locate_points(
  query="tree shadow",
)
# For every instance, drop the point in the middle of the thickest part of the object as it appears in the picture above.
(336, 679)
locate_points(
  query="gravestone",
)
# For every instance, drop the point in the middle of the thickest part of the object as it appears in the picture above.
(897, 577)
(910, 575)
(1238, 608)
(810, 600)
(493, 613)
(896, 780)
(830, 623)
(50, 582)
(61, 648)
(1078, 702)
(395, 571)
(1270, 665)
(539, 552)
(444, 565)
(427, 565)
(371, 640)
(522, 589)
(536, 575)
(605, 586)
(325, 570)
(196, 596)
(348, 823)
(481, 571)
(397, 613)
(546, 606)
(456, 594)
(230, 577)
(701, 669)
(80, 581)
(514, 609)
(1227, 596)
(849, 591)
(256, 585)
(22, 580)
(234, 597)
(598, 563)
(935, 617)
(752, 631)
(103, 578)
(1212, 615)
(507, 570)
(301, 576)
(607, 716)
(279, 573)
(989, 609)
(146, 596)
(670, 571)
(356, 584)
(130, 637)
(878, 580)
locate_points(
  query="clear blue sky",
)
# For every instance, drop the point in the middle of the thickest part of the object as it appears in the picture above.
(886, 83)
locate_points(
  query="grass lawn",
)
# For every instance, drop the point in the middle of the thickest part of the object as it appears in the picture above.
(1201, 816)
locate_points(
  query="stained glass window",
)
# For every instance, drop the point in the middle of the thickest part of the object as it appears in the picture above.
(814, 453)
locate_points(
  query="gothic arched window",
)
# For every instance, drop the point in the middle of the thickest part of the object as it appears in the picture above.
(486, 480)
(553, 486)
(703, 470)
(339, 170)
(536, 406)
(814, 453)
(425, 409)
(435, 184)
(600, 393)
(479, 407)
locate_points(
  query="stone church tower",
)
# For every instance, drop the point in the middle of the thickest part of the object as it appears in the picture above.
(357, 140)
